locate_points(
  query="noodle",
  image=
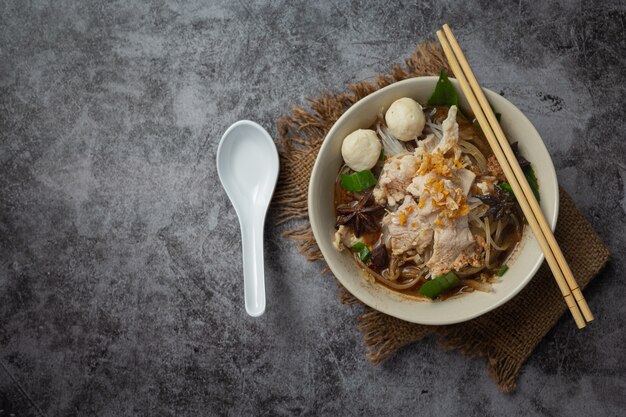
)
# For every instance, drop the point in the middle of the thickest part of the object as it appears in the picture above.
(498, 231)
(478, 212)
(516, 221)
(410, 272)
(436, 129)
(391, 284)
(477, 285)
(472, 150)
(390, 143)
(473, 202)
(393, 272)
(489, 239)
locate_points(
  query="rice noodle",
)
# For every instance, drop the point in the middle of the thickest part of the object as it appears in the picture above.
(496, 239)
(489, 238)
(517, 224)
(472, 150)
(474, 217)
(477, 285)
(410, 272)
(473, 202)
(491, 248)
(499, 228)
(393, 272)
(378, 277)
(499, 231)
(436, 129)
(391, 145)
(344, 169)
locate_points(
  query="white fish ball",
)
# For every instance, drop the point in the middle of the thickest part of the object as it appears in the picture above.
(405, 119)
(361, 149)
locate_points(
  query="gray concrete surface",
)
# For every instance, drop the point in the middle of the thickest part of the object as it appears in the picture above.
(120, 278)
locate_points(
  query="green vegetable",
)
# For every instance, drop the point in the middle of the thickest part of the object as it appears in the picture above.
(502, 270)
(362, 251)
(445, 94)
(382, 155)
(436, 286)
(506, 186)
(532, 181)
(529, 172)
(358, 181)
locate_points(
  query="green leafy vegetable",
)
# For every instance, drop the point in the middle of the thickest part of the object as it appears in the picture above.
(532, 181)
(445, 94)
(502, 270)
(506, 186)
(358, 181)
(362, 251)
(382, 155)
(529, 172)
(436, 286)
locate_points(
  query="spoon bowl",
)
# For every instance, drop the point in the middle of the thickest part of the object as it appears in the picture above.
(247, 165)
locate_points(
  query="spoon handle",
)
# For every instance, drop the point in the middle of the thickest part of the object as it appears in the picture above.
(253, 271)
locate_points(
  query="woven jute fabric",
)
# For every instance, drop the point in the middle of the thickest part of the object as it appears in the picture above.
(505, 336)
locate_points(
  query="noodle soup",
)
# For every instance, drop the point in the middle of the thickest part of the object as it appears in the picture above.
(423, 204)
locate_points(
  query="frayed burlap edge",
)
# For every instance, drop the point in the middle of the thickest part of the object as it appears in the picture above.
(505, 336)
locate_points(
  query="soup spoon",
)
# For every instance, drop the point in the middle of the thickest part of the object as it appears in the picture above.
(247, 165)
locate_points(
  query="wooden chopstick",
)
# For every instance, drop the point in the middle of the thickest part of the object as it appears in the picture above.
(513, 172)
(567, 272)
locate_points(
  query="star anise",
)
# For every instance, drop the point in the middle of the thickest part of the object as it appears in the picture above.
(361, 215)
(500, 204)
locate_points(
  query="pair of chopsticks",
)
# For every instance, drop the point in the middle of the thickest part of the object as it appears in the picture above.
(515, 176)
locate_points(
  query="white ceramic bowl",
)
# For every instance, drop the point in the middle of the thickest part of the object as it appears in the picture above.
(524, 263)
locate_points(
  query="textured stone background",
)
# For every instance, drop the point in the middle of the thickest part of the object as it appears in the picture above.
(120, 276)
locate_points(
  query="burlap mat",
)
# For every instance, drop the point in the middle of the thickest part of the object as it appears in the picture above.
(505, 336)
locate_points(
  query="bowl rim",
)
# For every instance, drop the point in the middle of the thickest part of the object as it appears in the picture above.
(315, 227)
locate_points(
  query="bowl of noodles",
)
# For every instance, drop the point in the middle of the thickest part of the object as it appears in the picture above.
(412, 211)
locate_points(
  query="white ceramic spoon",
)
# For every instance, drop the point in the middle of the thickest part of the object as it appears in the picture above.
(247, 164)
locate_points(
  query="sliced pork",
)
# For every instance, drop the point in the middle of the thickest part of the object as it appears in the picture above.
(454, 248)
(410, 227)
(450, 132)
(395, 177)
